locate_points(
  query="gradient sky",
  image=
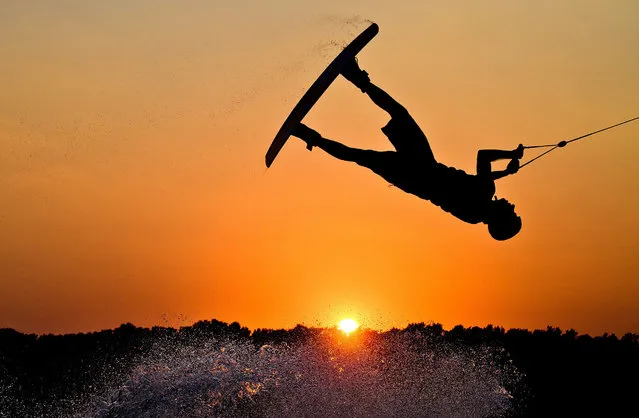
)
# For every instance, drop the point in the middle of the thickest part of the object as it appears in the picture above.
(132, 142)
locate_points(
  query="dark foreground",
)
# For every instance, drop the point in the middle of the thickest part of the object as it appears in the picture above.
(216, 369)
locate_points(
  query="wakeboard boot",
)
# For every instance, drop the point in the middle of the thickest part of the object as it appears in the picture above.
(355, 75)
(306, 134)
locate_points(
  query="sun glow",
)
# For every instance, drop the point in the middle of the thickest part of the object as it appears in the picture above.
(348, 325)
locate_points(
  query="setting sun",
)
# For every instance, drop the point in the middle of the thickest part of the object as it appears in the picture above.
(348, 325)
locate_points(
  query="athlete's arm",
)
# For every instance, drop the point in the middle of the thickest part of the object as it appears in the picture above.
(513, 167)
(486, 156)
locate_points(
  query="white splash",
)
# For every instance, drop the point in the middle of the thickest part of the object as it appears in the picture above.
(368, 374)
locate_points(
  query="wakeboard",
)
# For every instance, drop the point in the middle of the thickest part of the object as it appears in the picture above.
(318, 88)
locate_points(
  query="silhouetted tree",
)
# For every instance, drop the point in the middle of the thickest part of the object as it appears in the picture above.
(565, 373)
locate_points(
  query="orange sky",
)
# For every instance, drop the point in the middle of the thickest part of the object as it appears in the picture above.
(132, 142)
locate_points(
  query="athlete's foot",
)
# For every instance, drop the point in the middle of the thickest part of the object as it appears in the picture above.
(306, 134)
(355, 75)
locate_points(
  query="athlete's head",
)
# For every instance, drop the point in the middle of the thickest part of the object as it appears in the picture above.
(503, 222)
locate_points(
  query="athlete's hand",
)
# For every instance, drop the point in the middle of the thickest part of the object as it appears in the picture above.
(513, 166)
(519, 152)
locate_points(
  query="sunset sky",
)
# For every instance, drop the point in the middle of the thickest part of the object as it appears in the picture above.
(133, 185)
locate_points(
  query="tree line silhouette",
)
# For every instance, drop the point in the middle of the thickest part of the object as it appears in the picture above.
(564, 373)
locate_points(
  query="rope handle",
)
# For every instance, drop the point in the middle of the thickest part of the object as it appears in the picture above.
(562, 144)
(558, 145)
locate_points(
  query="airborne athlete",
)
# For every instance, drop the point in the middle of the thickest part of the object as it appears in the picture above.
(412, 167)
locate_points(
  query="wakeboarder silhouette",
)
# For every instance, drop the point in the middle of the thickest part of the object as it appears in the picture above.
(412, 167)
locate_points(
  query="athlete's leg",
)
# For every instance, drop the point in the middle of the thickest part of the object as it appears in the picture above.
(360, 79)
(314, 139)
(402, 131)
(342, 151)
(384, 100)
